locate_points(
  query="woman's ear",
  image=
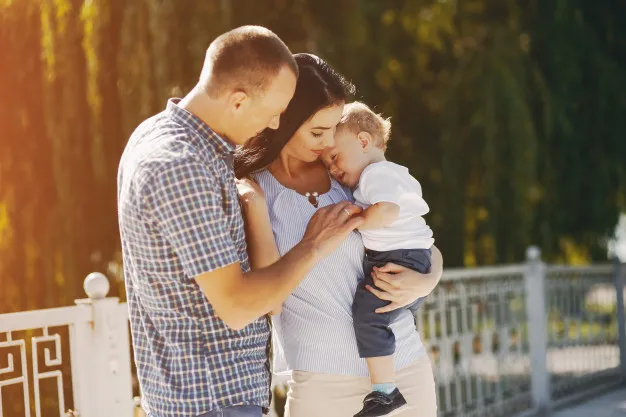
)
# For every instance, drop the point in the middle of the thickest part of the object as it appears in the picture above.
(365, 139)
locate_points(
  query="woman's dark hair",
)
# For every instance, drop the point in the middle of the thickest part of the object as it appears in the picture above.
(319, 86)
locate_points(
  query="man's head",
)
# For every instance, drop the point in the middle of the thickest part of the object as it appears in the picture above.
(361, 139)
(253, 75)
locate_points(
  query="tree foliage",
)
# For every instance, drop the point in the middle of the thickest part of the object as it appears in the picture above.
(510, 114)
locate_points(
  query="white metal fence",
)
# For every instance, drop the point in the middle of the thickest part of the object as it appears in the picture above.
(72, 358)
(524, 338)
(474, 327)
(503, 340)
(583, 329)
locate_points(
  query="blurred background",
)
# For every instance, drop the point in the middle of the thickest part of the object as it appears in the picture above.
(510, 113)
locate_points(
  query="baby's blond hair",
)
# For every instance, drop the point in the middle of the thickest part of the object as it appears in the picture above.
(358, 117)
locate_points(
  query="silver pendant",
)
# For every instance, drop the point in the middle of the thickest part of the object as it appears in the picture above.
(313, 198)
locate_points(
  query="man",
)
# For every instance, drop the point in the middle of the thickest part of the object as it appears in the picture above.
(197, 311)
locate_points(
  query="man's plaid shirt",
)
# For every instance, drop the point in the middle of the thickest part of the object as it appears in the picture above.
(179, 217)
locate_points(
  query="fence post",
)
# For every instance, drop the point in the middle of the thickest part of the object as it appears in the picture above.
(81, 348)
(101, 358)
(536, 312)
(621, 324)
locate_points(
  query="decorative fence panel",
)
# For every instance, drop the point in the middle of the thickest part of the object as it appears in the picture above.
(67, 361)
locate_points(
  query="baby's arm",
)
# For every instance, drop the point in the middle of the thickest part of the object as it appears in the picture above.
(380, 215)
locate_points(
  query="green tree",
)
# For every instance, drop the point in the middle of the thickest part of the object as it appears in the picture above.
(508, 112)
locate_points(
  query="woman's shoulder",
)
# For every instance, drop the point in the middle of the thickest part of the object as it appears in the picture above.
(259, 176)
(339, 187)
(270, 186)
(347, 192)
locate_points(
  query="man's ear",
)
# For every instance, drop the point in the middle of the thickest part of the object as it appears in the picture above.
(366, 141)
(236, 99)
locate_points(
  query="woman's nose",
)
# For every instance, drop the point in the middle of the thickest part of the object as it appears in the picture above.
(329, 140)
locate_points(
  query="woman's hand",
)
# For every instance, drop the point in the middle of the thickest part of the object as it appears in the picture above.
(250, 193)
(402, 286)
(253, 204)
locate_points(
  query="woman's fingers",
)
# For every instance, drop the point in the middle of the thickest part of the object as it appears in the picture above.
(384, 286)
(391, 268)
(390, 279)
(389, 307)
(380, 294)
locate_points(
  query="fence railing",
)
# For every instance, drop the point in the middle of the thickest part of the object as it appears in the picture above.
(475, 330)
(503, 340)
(583, 329)
(524, 338)
(71, 361)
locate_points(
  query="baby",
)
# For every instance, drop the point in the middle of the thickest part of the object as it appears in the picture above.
(394, 232)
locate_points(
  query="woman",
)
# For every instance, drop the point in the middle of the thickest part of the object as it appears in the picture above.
(314, 335)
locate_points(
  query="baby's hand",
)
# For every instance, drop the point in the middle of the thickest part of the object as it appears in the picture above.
(380, 215)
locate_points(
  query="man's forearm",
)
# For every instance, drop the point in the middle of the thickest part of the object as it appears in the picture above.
(239, 299)
(262, 290)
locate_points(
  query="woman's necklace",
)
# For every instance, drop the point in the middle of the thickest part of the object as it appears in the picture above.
(313, 198)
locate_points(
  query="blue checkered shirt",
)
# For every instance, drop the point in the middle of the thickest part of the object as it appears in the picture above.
(179, 217)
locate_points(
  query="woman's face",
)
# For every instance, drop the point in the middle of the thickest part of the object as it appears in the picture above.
(314, 135)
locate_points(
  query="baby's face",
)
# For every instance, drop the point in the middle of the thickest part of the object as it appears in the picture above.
(347, 159)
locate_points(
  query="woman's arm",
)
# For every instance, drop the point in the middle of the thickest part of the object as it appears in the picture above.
(262, 250)
(402, 286)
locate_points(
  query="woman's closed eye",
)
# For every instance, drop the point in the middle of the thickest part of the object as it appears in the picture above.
(317, 134)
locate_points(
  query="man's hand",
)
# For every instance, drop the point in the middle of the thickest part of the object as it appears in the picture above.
(329, 227)
(239, 299)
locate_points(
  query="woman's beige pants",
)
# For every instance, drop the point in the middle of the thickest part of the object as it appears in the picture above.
(326, 395)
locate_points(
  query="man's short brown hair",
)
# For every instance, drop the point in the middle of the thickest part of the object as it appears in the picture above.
(246, 58)
(358, 117)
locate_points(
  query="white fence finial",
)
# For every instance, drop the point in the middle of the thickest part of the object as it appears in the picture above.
(533, 253)
(96, 286)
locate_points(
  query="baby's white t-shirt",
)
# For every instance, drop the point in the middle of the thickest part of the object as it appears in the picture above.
(388, 182)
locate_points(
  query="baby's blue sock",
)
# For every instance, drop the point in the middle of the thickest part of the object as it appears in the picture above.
(387, 387)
